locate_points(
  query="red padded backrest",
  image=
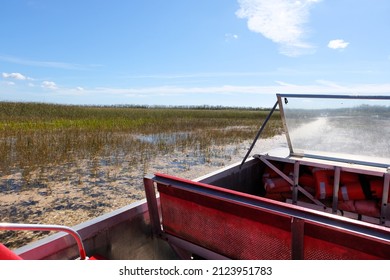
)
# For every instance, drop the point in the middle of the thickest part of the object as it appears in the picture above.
(7, 254)
(229, 223)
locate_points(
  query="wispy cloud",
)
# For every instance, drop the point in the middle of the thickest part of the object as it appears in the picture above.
(49, 85)
(317, 87)
(230, 37)
(202, 75)
(230, 95)
(15, 76)
(46, 64)
(337, 44)
(282, 21)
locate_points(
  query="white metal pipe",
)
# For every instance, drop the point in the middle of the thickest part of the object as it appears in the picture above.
(40, 227)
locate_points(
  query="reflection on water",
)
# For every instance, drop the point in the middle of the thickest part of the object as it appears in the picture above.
(167, 138)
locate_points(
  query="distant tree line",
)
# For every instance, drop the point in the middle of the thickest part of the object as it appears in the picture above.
(140, 106)
(193, 107)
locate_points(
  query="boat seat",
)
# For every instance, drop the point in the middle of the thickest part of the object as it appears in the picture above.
(237, 225)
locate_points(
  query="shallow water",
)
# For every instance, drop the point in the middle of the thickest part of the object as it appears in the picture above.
(167, 138)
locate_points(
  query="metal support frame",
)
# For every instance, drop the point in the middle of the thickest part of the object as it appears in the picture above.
(193, 248)
(385, 209)
(151, 199)
(258, 133)
(33, 227)
(336, 186)
(290, 181)
(296, 183)
(297, 238)
(283, 118)
(338, 168)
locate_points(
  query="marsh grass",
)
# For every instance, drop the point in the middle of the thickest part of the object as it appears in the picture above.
(65, 164)
(34, 135)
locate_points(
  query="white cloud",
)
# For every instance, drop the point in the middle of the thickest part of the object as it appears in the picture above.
(48, 64)
(239, 95)
(282, 21)
(337, 44)
(230, 37)
(49, 85)
(318, 87)
(15, 76)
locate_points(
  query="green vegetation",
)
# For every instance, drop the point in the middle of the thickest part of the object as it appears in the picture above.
(34, 134)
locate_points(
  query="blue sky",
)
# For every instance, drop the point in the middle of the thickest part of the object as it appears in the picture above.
(192, 52)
